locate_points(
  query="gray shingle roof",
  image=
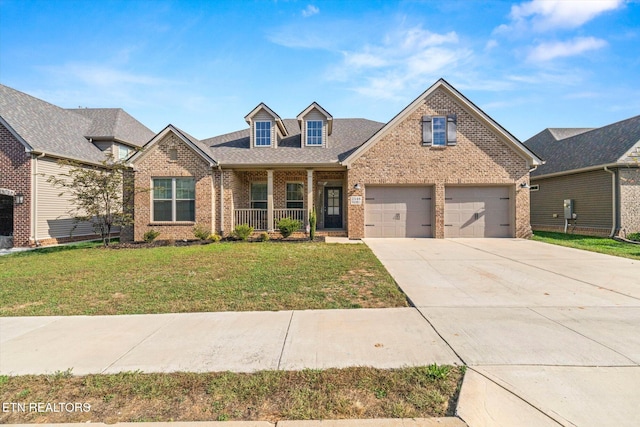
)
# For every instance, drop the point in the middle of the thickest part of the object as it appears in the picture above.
(115, 123)
(348, 134)
(57, 131)
(584, 148)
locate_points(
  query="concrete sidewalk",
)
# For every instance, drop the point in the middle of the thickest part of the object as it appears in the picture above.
(551, 334)
(203, 342)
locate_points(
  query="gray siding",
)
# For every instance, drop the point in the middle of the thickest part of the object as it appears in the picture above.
(591, 192)
(53, 219)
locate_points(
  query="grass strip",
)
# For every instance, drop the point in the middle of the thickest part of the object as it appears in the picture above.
(426, 391)
(90, 280)
(602, 245)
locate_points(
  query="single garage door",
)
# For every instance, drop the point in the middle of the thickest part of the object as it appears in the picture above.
(477, 212)
(397, 212)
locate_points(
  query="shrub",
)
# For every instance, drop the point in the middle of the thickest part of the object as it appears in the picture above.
(313, 221)
(264, 236)
(150, 235)
(214, 237)
(243, 231)
(634, 236)
(287, 226)
(201, 232)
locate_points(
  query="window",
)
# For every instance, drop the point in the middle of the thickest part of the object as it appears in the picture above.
(263, 134)
(314, 132)
(258, 195)
(439, 131)
(174, 199)
(123, 152)
(295, 195)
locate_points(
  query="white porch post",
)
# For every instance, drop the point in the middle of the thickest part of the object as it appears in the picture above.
(270, 200)
(309, 193)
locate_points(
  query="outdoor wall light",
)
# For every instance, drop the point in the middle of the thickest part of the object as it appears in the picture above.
(19, 199)
(357, 186)
(525, 185)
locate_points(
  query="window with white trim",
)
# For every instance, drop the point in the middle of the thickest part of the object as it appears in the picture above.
(262, 134)
(123, 152)
(439, 131)
(174, 199)
(295, 195)
(258, 195)
(314, 132)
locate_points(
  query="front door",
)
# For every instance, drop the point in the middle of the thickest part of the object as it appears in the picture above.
(333, 207)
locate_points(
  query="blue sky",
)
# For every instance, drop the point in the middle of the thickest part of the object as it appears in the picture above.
(203, 65)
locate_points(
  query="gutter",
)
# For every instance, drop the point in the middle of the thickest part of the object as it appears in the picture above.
(613, 201)
(580, 170)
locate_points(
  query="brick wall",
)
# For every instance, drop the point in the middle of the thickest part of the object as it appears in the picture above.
(15, 174)
(157, 164)
(629, 199)
(479, 157)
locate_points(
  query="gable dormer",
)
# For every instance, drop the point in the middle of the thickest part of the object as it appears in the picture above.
(266, 127)
(316, 124)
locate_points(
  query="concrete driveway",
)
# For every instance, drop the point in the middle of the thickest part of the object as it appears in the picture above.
(551, 334)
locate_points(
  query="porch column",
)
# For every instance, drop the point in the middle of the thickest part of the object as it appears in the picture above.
(270, 200)
(309, 193)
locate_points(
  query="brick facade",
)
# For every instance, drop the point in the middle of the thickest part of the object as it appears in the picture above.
(156, 163)
(629, 179)
(480, 157)
(15, 175)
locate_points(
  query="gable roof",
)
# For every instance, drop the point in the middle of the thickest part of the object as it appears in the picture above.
(115, 124)
(46, 128)
(520, 148)
(585, 148)
(348, 134)
(263, 106)
(195, 144)
(315, 105)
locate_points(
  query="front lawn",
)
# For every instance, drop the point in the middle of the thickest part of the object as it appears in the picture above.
(217, 277)
(590, 243)
(428, 391)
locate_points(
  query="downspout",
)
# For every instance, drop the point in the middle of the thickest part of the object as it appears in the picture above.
(613, 202)
(221, 201)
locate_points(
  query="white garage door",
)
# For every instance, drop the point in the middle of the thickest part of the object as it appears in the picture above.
(397, 212)
(477, 212)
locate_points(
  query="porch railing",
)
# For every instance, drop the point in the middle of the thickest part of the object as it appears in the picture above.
(299, 214)
(256, 218)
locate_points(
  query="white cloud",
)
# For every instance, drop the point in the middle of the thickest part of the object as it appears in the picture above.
(310, 10)
(544, 15)
(548, 51)
(491, 44)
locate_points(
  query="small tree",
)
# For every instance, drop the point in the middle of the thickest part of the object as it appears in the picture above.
(100, 194)
(313, 221)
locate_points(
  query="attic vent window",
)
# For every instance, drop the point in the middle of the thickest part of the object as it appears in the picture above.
(173, 154)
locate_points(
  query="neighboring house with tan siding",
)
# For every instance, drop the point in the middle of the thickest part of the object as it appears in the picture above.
(34, 135)
(440, 168)
(598, 170)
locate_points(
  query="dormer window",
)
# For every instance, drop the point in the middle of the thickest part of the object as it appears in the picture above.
(314, 132)
(263, 134)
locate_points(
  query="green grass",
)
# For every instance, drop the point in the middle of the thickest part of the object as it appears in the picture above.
(589, 243)
(266, 395)
(90, 280)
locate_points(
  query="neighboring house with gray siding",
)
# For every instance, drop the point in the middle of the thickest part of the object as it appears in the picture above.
(34, 135)
(598, 169)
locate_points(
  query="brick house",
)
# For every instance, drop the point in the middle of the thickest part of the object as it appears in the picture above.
(34, 135)
(597, 170)
(440, 168)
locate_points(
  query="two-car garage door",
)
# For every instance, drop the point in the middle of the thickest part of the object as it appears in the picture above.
(407, 212)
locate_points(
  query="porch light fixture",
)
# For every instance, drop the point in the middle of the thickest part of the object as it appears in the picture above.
(525, 185)
(357, 186)
(19, 199)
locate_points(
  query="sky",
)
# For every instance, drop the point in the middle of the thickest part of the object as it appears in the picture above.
(203, 65)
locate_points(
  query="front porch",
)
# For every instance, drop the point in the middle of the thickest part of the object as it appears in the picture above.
(262, 198)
